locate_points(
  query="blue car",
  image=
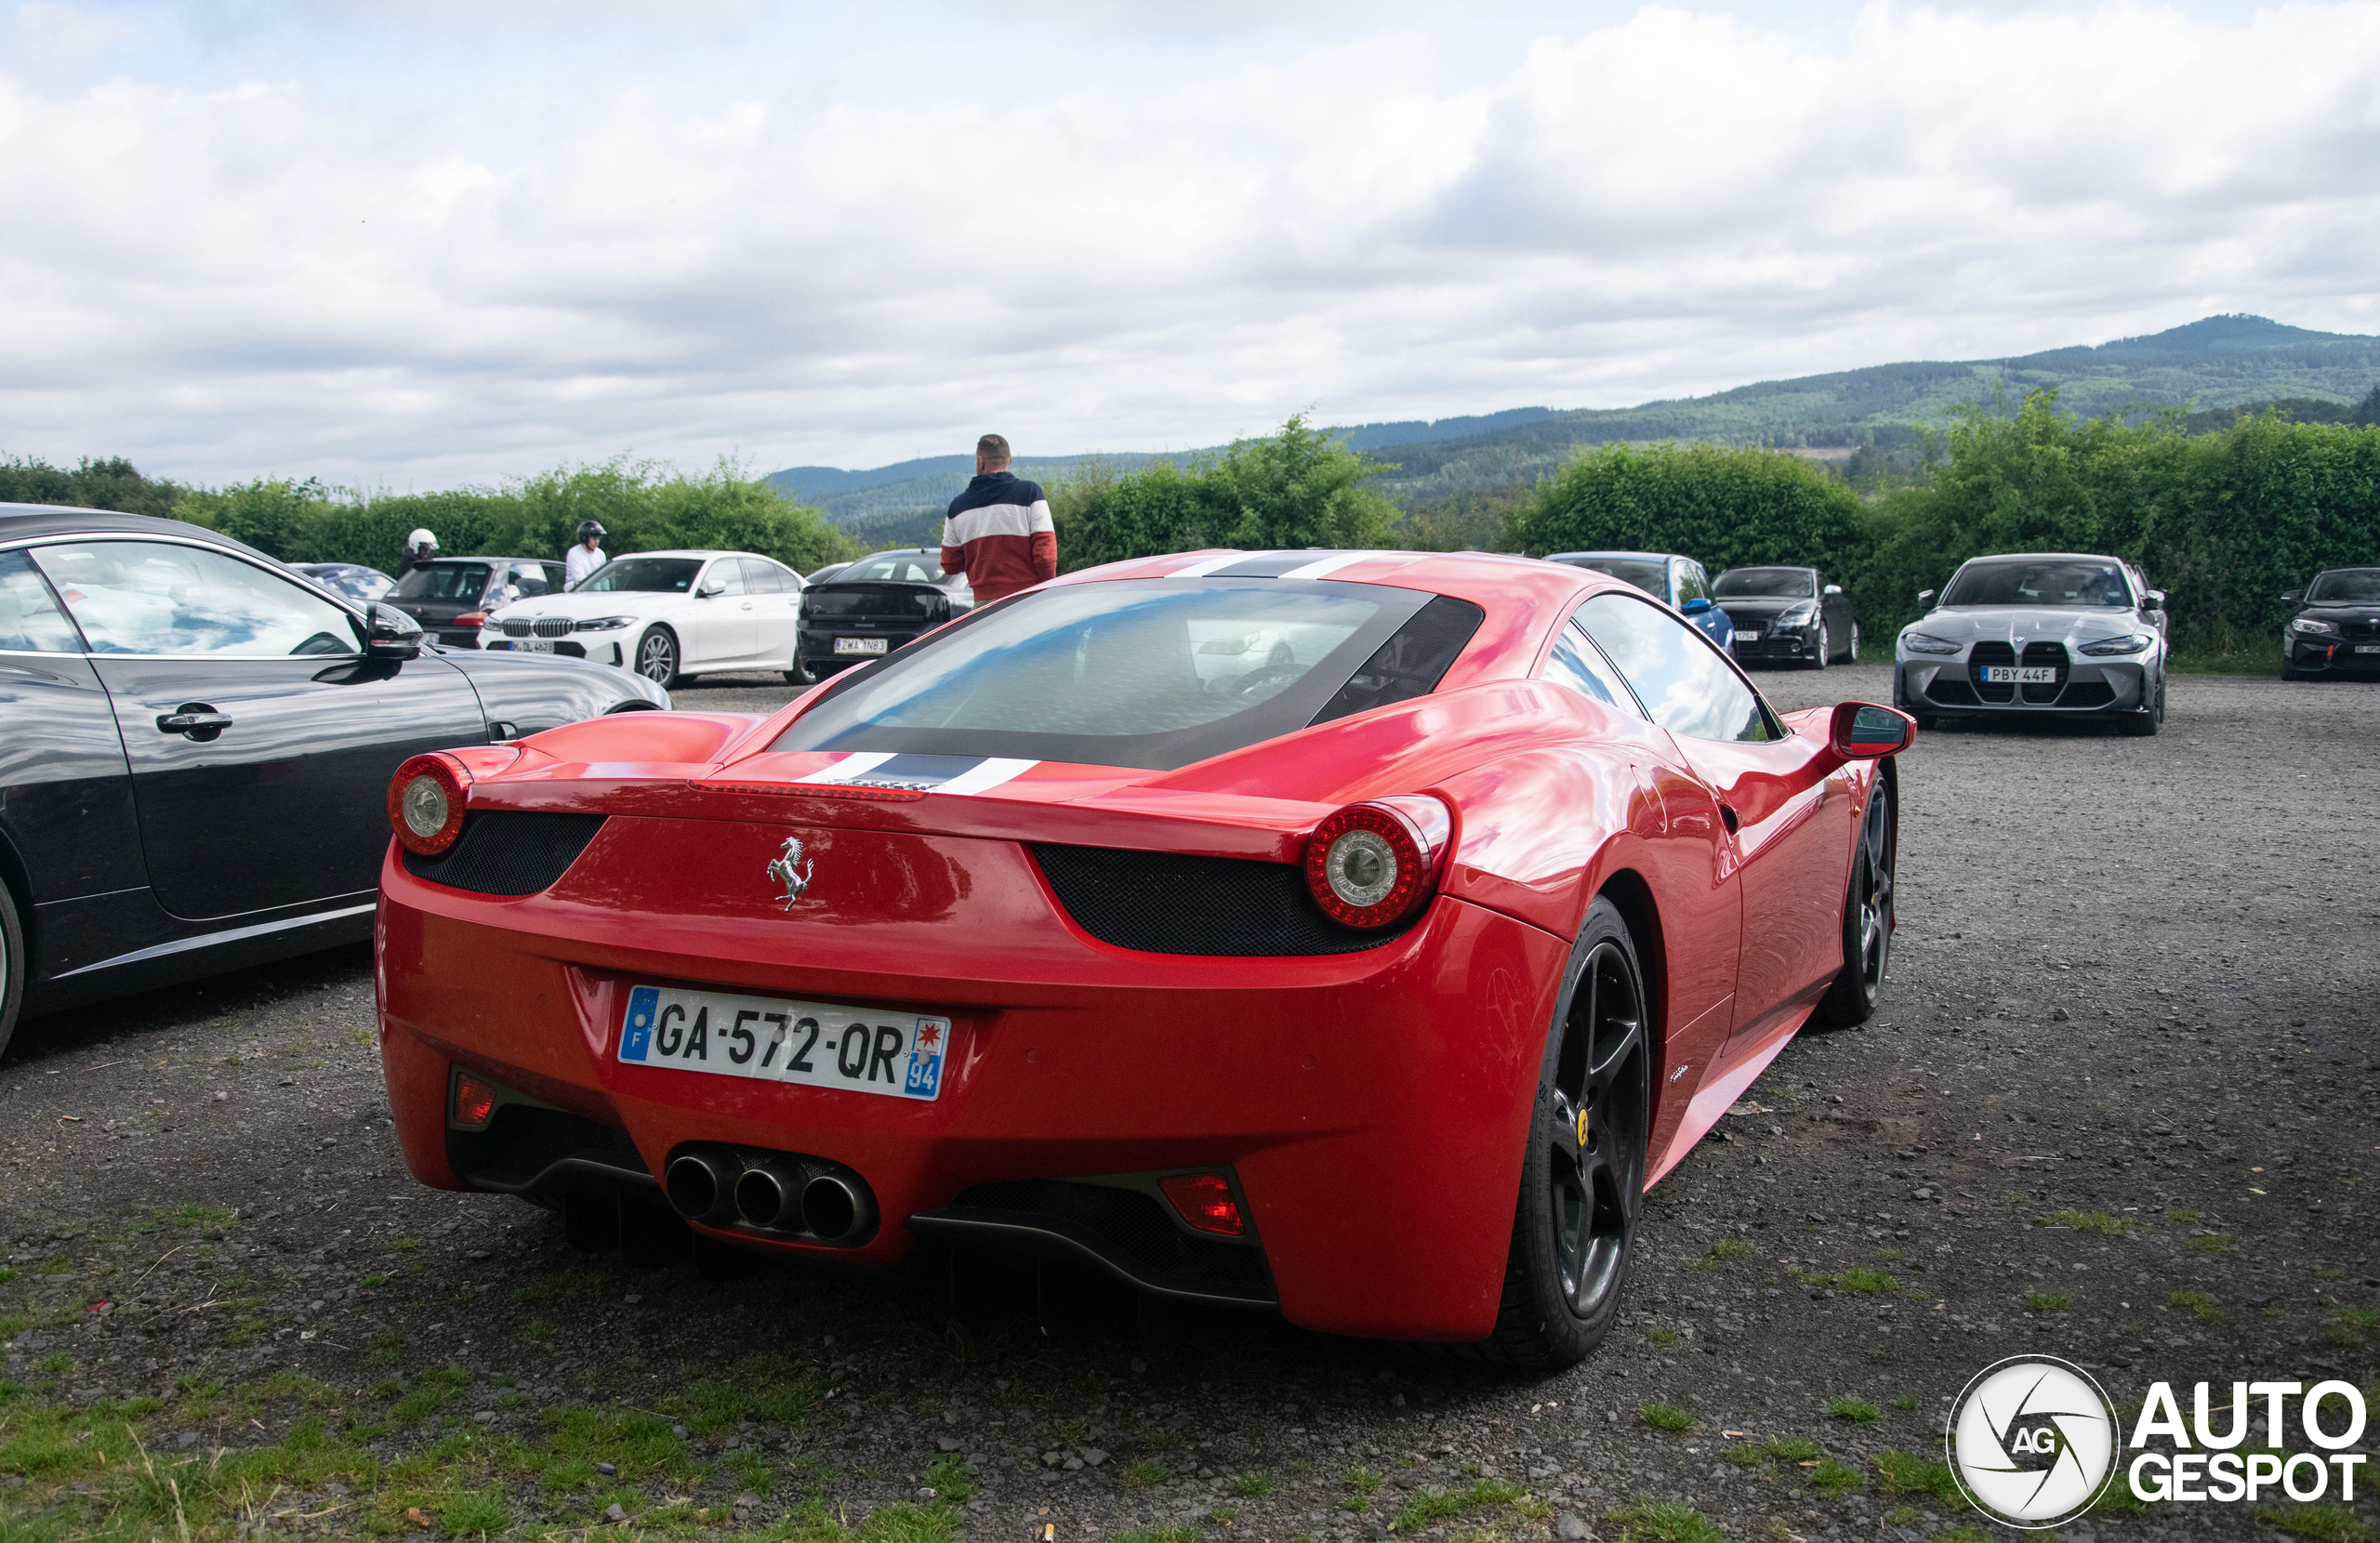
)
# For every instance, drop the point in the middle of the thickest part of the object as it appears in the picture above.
(1674, 580)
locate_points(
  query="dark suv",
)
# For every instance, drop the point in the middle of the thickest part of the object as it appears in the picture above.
(2336, 630)
(873, 606)
(451, 595)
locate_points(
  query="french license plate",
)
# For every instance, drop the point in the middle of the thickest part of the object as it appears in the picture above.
(773, 1040)
(2019, 675)
(860, 645)
(2367, 648)
(1744, 637)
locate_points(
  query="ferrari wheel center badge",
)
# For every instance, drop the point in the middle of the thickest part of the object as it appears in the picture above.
(789, 870)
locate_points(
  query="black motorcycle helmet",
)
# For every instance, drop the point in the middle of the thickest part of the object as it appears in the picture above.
(588, 529)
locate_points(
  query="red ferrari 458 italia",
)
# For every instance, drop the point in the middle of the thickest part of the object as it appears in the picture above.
(1354, 935)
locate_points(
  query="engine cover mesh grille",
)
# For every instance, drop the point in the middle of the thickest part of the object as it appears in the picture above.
(506, 852)
(1166, 902)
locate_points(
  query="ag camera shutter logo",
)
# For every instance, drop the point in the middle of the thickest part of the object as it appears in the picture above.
(2033, 1441)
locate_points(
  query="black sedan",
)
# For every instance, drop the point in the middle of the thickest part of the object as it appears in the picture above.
(1788, 616)
(451, 595)
(873, 606)
(2336, 630)
(195, 748)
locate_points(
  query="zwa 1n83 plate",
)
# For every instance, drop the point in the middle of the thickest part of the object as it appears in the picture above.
(774, 1040)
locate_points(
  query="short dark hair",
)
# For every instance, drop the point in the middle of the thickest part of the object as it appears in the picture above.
(993, 446)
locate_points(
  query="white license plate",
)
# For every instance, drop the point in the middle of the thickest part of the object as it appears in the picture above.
(533, 645)
(1744, 637)
(773, 1040)
(2367, 648)
(860, 645)
(2019, 675)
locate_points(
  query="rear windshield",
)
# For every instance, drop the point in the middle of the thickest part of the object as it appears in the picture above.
(1787, 583)
(643, 575)
(444, 581)
(893, 567)
(1651, 577)
(2077, 584)
(1154, 673)
(2346, 586)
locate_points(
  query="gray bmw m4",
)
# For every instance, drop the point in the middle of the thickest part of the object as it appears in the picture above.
(2047, 634)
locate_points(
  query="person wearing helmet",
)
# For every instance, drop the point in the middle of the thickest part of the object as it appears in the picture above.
(420, 546)
(586, 557)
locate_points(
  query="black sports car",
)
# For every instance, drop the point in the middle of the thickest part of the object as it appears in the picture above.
(868, 609)
(195, 748)
(451, 595)
(2336, 630)
(1788, 616)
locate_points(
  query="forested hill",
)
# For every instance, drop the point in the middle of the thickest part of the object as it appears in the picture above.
(2214, 363)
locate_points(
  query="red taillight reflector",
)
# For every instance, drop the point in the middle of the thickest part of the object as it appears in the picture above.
(1205, 1202)
(1372, 865)
(426, 800)
(474, 1102)
(469, 618)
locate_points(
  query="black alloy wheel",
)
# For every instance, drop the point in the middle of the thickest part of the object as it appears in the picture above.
(12, 965)
(657, 657)
(1582, 1177)
(1867, 917)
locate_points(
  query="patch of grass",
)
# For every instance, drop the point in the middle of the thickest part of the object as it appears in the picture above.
(1907, 1473)
(2047, 1301)
(2353, 1326)
(1226, 1514)
(1905, 1402)
(384, 1349)
(2102, 1222)
(1073, 1431)
(1666, 1416)
(1252, 1484)
(1663, 1337)
(537, 1332)
(1161, 1439)
(1428, 1506)
(2182, 1218)
(538, 1293)
(1792, 1449)
(404, 1244)
(475, 1515)
(1866, 1282)
(952, 1484)
(2198, 1305)
(1181, 1532)
(1858, 1411)
(1665, 1522)
(1722, 1251)
(205, 1216)
(2211, 1243)
(905, 1523)
(1903, 1516)
(2323, 1522)
(1142, 1475)
(1834, 1480)
(1361, 1482)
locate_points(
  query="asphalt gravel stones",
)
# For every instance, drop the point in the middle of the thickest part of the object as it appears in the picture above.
(2116, 1106)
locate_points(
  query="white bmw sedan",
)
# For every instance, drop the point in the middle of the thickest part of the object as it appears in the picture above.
(666, 615)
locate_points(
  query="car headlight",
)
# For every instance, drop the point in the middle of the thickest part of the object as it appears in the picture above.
(2131, 642)
(1800, 615)
(2308, 623)
(1925, 643)
(603, 624)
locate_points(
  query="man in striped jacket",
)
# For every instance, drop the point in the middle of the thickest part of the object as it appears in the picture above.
(998, 531)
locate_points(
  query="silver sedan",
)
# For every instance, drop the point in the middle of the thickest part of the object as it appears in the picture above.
(2059, 634)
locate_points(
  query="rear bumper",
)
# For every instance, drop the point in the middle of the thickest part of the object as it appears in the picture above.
(815, 645)
(1372, 1107)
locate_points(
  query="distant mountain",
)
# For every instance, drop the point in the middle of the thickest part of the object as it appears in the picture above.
(2214, 363)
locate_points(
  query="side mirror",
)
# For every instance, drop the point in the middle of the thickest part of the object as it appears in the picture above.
(1832, 590)
(710, 587)
(1862, 730)
(388, 633)
(2153, 600)
(1696, 606)
(2293, 597)
(1925, 597)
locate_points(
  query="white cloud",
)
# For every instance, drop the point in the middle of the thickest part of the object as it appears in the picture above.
(261, 277)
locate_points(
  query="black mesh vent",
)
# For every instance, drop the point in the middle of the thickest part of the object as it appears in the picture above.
(2054, 655)
(522, 1141)
(507, 852)
(1989, 653)
(1950, 690)
(1133, 1226)
(1165, 902)
(2087, 693)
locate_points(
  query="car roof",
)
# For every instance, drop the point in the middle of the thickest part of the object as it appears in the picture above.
(1633, 557)
(476, 557)
(2045, 557)
(1794, 567)
(695, 552)
(25, 521)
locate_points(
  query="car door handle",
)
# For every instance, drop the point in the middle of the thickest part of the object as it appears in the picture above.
(195, 718)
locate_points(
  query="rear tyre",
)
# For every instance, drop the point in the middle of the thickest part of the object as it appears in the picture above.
(800, 674)
(1867, 917)
(1582, 1177)
(12, 966)
(656, 657)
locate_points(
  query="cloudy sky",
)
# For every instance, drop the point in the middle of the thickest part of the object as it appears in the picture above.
(414, 243)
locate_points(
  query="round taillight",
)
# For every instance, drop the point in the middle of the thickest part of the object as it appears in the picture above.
(426, 800)
(1368, 865)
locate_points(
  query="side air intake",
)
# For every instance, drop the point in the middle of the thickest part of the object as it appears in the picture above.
(508, 851)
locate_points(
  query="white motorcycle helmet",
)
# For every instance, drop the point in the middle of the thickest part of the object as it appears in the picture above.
(421, 543)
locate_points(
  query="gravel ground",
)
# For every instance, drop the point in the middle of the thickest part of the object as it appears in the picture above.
(2117, 1107)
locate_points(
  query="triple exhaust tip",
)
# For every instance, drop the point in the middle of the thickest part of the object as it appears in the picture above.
(775, 1195)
